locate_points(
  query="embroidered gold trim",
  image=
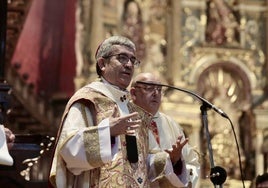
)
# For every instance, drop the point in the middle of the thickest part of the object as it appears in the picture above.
(160, 162)
(91, 136)
(92, 147)
(83, 109)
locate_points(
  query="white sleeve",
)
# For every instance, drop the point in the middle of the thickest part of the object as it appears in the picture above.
(192, 164)
(82, 141)
(5, 157)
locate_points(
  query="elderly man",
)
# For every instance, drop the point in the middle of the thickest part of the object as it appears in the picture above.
(91, 148)
(165, 135)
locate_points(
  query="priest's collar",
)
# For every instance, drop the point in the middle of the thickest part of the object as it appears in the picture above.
(111, 91)
(156, 115)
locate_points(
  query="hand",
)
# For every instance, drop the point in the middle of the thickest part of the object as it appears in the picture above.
(125, 124)
(175, 153)
(10, 137)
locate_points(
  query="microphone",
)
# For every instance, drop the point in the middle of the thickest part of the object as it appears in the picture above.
(132, 150)
(218, 175)
(208, 104)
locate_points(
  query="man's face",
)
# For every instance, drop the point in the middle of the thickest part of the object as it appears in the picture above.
(147, 96)
(118, 69)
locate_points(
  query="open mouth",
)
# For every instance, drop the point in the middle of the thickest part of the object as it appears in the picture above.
(127, 73)
(154, 101)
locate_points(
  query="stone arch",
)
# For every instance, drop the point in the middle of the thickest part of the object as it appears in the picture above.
(228, 85)
(206, 61)
(235, 70)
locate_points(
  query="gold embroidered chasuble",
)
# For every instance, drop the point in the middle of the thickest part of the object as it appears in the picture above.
(117, 172)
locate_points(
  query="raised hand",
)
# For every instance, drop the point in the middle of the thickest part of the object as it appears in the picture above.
(175, 153)
(10, 137)
(124, 124)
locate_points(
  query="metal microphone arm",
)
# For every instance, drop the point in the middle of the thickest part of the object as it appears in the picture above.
(207, 103)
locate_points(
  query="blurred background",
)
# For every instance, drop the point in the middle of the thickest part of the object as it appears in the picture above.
(215, 48)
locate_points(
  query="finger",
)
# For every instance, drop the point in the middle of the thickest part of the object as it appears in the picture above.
(184, 142)
(115, 111)
(174, 146)
(168, 151)
(129, 116)
(133, 127)
(130, 132)
(12, 138)
(135, 122)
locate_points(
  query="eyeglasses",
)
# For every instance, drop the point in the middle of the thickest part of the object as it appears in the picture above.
(124, 59)
(150, 89)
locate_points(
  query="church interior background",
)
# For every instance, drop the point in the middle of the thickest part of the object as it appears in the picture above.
(215, 48)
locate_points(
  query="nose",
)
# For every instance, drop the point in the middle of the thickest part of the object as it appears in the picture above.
(157, 91)
(129, 63)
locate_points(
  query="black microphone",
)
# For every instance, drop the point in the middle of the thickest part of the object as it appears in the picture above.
(132, 149)
(208, 104)
(218, 175)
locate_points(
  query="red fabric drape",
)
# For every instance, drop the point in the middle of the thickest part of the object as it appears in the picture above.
(45, 48)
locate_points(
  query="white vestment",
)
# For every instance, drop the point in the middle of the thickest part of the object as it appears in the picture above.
(169, 131)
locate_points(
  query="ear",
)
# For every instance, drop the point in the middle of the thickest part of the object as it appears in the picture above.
(101, 64)
(132, 92)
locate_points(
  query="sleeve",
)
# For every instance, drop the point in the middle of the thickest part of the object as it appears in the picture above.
(161, 172)
(192, 164)
(85, 146)
(189, 169)
(5, 157)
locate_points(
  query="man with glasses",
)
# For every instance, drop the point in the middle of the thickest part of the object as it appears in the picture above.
(180, 162)
(91, 147)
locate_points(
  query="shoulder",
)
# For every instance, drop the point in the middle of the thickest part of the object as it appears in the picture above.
(165, 116)
(89, 97)
(170, 121)
(86, 93)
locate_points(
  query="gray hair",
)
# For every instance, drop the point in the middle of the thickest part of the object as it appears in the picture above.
(106, 47)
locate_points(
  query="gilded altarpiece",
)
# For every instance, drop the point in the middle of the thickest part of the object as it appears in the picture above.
(222, 54)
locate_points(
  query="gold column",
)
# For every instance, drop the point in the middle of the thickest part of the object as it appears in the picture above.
(89, 33)
(261, 122)
(259, 160)
(173, 40)
(97, 28)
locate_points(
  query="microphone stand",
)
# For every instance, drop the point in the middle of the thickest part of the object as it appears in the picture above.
(217, 174)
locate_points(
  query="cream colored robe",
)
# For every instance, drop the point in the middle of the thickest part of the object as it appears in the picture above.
(84, 155)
